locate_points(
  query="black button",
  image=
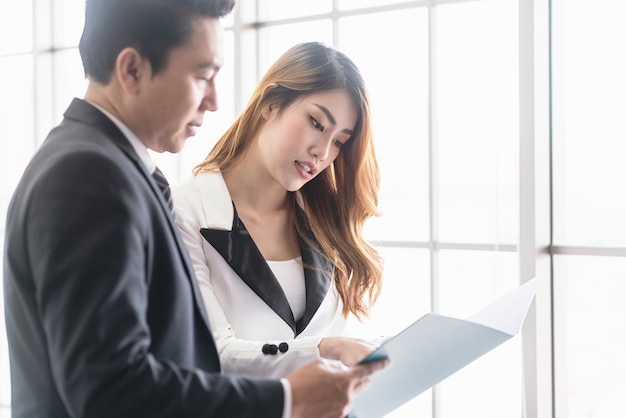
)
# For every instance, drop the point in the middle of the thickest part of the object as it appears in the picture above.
(283, 347)
(273, 348)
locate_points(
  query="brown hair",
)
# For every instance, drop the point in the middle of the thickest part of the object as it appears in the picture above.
(339, 200)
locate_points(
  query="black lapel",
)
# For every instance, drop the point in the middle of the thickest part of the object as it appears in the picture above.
(317, 276)
(241, 253)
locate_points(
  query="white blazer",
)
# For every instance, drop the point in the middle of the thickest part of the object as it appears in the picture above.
(246, 306)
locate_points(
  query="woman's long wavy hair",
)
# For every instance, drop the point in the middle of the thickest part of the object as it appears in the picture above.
(339, 200)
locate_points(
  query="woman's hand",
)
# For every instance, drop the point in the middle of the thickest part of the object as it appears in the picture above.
(347, 350)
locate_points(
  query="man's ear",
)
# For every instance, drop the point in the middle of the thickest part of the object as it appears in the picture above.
(130, 66)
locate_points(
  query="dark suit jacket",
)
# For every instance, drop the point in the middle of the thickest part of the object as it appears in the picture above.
(103, 316)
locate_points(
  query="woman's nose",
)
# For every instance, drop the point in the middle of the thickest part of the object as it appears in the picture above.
(321, 150)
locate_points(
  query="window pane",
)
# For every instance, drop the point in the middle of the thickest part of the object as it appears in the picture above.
(490, 387)
(397, 80)
(359, 4)
(589, 145)
(16, 27)
(404, 299)
(590, 340)
(69, 80)
(275, 40)
(471, 280)
(16, 122)
(69, 18)
(405, 295)
(477, 121)
(283, 9)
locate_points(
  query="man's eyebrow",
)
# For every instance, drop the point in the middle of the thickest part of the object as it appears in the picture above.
(212, 65)
(331, 118)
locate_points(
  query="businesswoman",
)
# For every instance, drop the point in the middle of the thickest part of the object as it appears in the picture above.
(273, 218)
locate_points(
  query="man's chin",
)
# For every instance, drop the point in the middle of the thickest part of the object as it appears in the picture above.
(177, 146)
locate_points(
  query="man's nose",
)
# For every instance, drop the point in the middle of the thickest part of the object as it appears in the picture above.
(210, 102)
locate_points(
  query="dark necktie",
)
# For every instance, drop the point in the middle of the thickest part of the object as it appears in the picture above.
(161, 181)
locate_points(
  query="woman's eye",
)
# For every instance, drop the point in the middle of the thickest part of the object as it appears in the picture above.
(338, 143)
(316, 124)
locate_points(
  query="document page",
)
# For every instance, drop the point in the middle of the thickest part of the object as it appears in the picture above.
(435, 346)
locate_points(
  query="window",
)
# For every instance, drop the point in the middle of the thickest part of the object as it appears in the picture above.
(589, 226)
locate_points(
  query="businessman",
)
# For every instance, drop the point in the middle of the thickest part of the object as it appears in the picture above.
(103, 316)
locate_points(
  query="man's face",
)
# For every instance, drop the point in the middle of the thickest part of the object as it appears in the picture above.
(172, 103)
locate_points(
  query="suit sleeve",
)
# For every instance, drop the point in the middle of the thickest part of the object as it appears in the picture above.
(237, 355)
(87, 229)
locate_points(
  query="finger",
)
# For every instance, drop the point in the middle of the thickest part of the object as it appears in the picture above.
(359, 386)
(336, 364)
(362, 385)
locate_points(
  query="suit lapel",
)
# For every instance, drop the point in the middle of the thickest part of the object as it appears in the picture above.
(243, 256)
(86, 113)
(318, 272)
(317, 276)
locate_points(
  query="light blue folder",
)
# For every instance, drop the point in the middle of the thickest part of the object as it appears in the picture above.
(434, 347)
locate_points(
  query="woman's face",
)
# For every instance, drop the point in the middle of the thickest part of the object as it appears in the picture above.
(300, 142)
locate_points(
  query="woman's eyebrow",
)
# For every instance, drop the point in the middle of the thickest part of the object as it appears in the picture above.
(329, 115)
(331, 118)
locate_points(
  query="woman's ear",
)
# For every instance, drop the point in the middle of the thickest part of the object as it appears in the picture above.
(267, 110)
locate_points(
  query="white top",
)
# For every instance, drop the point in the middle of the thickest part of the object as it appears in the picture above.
(241, 321)
(290, 275)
